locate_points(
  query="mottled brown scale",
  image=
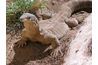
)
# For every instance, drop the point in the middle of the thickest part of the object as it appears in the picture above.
(50, 31)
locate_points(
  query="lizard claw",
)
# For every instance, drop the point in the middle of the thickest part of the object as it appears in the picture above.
(50, 47)
(56, 51)
(20, 43)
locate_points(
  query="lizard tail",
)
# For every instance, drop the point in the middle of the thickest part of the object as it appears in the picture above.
(75, 5)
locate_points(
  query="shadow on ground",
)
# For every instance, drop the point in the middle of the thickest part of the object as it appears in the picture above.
(31, 52)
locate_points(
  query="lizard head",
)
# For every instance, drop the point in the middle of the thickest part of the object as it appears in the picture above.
(28, 17)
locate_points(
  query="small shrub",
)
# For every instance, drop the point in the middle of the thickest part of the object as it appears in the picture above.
(16, 8)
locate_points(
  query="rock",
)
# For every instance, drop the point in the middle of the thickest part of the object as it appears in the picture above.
(72, 22)
(78, 51)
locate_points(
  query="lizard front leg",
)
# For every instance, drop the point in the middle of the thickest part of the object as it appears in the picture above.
(56, 47)
(55, 43)
(23, 40)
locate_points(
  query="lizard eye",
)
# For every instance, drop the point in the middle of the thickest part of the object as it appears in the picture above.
(28, 17)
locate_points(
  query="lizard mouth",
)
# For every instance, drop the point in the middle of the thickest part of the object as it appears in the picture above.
(23, 20)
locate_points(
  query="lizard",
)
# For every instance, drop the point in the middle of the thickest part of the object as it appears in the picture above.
(47, 33)
(51, 30)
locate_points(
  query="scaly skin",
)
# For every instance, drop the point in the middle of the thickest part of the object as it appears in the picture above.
(47, 33)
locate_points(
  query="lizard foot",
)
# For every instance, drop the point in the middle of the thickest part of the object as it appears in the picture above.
(20, 43)
(56, 51)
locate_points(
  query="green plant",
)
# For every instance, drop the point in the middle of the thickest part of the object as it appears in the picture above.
(16, 8)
